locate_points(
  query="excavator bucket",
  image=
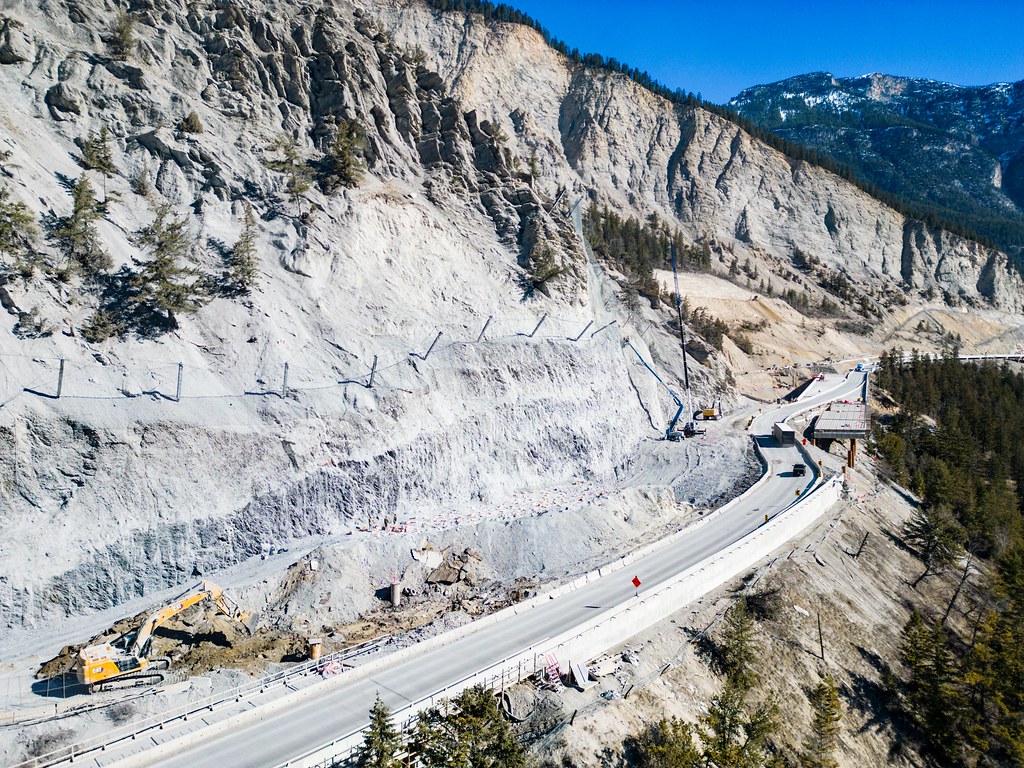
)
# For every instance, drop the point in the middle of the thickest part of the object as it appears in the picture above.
(249, 621)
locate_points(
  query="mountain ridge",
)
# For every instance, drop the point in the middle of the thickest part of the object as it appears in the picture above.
(957, 150)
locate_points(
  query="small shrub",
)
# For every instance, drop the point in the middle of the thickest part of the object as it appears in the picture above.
(101, 326)
(191, 124)
(32, 325)
(121, 712)
(765, 604)
(45, 743)
(141, 184)
(743, 341)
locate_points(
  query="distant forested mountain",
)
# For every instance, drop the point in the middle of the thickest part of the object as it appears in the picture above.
(951, 151)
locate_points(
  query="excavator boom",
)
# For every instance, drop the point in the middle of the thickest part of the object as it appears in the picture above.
(129, 662)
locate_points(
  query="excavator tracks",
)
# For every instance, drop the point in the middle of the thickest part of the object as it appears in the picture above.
(128, 681)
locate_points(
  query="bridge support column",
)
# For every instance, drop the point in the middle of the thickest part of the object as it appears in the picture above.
(851, 457)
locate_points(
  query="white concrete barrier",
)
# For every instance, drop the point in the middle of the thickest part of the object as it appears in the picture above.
(623, 621)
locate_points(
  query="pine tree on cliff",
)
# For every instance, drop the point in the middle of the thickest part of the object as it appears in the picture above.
(937, 536)
(121, 41)
(77, 233)
(243, 269)
(342, 166)
(163, 284)
(820, 745)
(98, 156)
(17, 234)
(294, 166)
(737, 647)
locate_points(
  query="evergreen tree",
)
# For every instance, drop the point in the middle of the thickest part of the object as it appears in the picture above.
(737, 647)
(243, 267)
(77, 233)
(933, 699)
(936, 535)
(101, 325)
(294, 166)
(820, 746)
(122, 36)
(341, 165)
(162, 284)
(474, 736)
(381, 741)
(17, 234)
(733, 736)
(98, 156)
(668, 744)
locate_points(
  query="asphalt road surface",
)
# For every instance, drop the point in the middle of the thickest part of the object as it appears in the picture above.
(288, 733)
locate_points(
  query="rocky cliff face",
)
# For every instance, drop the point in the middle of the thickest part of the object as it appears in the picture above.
(936, 144)
(478, 139)
(601, 132)
(446, 279)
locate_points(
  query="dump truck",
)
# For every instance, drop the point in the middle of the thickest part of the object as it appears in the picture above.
(127, 661)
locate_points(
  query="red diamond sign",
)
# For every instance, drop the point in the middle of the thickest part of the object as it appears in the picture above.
(636, 582)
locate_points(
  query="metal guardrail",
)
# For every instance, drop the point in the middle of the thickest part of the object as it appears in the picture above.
(406, 717)
(230, 696)
(818, 490)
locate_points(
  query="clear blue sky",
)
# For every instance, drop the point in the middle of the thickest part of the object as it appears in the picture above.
(720, 47)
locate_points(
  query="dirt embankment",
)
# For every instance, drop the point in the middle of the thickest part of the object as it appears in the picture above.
(853, 572)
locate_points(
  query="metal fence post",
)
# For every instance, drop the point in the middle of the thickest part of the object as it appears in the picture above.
(60, 378)
(432, 345)
(177, 396)
(284, 382)
(536, 327)
(483, 330)
(373, 373)
(580, 334)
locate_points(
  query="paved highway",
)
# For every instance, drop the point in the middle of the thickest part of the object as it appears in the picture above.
(342, 709)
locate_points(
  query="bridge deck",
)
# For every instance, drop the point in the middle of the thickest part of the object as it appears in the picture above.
(843, 421)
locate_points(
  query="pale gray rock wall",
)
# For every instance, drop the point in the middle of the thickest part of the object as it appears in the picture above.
(642, 154)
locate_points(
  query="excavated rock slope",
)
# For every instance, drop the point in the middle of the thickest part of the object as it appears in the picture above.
(119, 488)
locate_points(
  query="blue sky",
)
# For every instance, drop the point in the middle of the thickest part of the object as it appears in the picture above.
(718, 48)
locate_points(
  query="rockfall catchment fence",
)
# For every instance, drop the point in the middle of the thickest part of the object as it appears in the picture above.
(308, 369)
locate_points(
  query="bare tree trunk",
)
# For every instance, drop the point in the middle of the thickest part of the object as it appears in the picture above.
(919, 579)
(960, 586)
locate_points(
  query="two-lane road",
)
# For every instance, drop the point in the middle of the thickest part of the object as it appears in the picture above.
(342, 709)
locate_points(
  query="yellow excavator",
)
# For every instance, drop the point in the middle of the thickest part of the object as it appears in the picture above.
(126, 663)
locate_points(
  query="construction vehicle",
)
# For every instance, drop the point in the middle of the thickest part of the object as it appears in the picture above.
(671, 433)
(712, 412)
(126, 662)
